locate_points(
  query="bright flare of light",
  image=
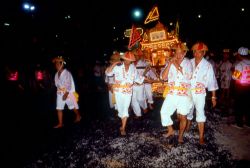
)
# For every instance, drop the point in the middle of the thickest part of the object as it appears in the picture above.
(199, 16)
(26, 6)
(67, 17)
(32, 8)
(242, 9)
(137, 14)
(6, 24)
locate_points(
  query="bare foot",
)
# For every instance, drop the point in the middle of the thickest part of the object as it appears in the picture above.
(202, 142)
(170, 133)
(180, 140)
(58, 126)
(145, 110)
(188, 126)
(78, 119)
(137, 117)
(123, 132)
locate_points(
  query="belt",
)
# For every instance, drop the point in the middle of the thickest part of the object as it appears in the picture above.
(122, 85)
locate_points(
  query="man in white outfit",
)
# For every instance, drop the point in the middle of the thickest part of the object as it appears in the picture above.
(110, 80)
(139, 97)
(203, 78)
(65, 91)
(152, 75)
(178, 73)
(125, 75)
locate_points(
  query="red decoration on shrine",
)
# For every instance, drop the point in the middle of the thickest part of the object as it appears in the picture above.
(134, 37)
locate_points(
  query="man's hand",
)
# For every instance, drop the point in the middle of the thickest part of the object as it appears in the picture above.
(110, 68)
(65, 95)
(147, 80)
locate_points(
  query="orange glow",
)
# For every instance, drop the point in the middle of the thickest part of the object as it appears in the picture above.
(159, 44)
(153, 15)
(237, 74)
(158, 88)
(127, 32)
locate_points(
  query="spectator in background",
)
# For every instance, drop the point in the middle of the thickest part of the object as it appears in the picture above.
(241, 76)
(98, 76)
(225, 79)
(211, 58)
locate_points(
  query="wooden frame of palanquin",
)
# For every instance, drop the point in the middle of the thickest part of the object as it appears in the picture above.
(157, 43)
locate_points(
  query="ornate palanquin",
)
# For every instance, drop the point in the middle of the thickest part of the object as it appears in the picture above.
(156, 44)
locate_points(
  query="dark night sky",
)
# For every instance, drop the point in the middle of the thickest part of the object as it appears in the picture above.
(90, 31)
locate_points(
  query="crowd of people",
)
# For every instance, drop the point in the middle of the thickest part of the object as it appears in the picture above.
(192, 84)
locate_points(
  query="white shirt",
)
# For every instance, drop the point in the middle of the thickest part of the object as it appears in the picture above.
(122, 78)
(203, 77)
(65, 81)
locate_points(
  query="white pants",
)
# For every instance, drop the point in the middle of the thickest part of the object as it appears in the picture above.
(70, 101)
(149, 94)
(199, 105)
(182, 104)
(122, 102)
(138, 99)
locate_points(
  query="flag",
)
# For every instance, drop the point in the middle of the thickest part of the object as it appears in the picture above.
(134, 37)
(153, 15)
